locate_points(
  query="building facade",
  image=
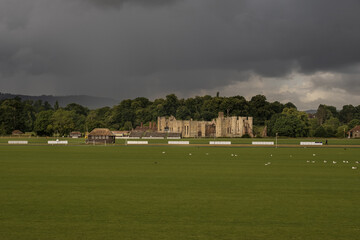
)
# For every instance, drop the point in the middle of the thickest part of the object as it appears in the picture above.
(101, 135)
(75, 135)
(219, 127)
(17, 133)
(355, 132)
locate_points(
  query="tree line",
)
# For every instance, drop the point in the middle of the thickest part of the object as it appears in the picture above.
(282, 119)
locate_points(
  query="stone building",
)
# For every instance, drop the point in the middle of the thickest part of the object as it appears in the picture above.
(121, 133)
(17, 133)
(101, 135)
(75, 134)
(355, 132)
(219, 127)
(151, 128)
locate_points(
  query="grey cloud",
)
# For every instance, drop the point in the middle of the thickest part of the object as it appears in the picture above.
(190, 46)
(348, 81)
(14, 14)
(119, 3)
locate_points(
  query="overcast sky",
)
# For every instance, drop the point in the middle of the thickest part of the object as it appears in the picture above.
(306, 52)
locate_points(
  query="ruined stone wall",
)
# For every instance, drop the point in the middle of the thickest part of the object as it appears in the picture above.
(203, 128)
(233, 126)
(219, 127)
(170, 125)
(250, 126)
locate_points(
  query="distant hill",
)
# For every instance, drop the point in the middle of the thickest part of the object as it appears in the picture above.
(311, 111)
(84, 100)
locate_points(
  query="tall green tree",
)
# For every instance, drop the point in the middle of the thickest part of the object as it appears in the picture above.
(63, 122)
(290, 123)
(353, 123)
(347, 113)
(324, 113)
(183, 113)
(43, 125)
(331, 126)
(16, 115)
(260, 109)
(81, 110)
(341, 131)
(171, 104)
(128, 126)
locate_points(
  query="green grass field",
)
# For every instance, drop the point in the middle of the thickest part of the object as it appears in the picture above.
(139, 192)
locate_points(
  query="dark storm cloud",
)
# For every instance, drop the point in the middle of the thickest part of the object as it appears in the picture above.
(119, 3)
(174, 46)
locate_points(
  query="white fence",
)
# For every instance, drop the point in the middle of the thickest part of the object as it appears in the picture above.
(173, 137)
(137, 142)
(220, 142)
(263, 143)
(311, 143)
(58, 142)
(17, 142)
(178, 142)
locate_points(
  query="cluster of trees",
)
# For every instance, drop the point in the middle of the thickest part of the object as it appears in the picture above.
(41, 118)
(329, 122)
(284, 119)
(326, 122)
